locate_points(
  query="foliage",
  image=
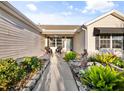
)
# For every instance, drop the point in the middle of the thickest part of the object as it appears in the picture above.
(31, 63)
(92, 58)
(105, 58)
(118, 62)
(102, 58)
(8, 73)
(103, 78)
(11, 73)
(70, 56)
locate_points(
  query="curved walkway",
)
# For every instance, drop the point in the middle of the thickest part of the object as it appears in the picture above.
(57, 77)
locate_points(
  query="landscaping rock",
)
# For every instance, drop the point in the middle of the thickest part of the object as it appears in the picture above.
(36, 77)
(116, 67)
(78, 75)
(31, 84)
(40, 71)
(75, 63)
(26, 89)
(90, 63)
(78, 83)
(76, 70)
(98, 64)
(83, 88)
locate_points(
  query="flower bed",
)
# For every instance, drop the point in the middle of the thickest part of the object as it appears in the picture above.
(14, 76)
(103, 73)
(102, 78)
(107, 58)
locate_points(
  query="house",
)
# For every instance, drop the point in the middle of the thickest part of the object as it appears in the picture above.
(18, 35)
(104, 32)
(59, 35)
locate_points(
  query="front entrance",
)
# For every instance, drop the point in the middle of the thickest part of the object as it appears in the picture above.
(54, 42)
(64, 42)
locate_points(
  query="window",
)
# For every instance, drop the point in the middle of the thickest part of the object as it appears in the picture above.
(59, 41)
(104, 41)
(52, 42)
(55, 41)
(117, 41)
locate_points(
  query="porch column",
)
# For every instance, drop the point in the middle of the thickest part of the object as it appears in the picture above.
(46, 41)
(110, 41)
(65, 44)
(55, 41)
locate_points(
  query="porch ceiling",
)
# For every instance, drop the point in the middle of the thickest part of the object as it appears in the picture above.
(58, 35)
(68, 33)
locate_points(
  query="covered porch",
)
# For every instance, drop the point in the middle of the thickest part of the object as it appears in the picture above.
(56, 40)
(59, 35)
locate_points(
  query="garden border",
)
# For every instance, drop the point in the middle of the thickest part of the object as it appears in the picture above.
(33, 81)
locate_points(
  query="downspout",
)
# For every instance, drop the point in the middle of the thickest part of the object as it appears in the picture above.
(84, 28)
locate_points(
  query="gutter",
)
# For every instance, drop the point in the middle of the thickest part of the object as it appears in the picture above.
(83, 27)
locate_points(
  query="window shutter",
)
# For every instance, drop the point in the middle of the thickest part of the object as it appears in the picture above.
(97, 42)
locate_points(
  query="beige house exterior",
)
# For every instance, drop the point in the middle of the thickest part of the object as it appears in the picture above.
(18, 35)
(59, 35)
(104, 32)
(21, 37)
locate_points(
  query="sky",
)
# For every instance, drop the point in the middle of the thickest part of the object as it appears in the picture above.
(65, 12)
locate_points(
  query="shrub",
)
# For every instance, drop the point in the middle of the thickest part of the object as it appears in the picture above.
(31, 63)
(102, 58)
(11, 73)
(103, 78)
(118, 62)
(105, 58)
(70, 56)
(92, 58)
(8, 73)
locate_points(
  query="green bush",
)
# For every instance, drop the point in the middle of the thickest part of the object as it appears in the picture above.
(103, 78)
(102, 58)
(92, 58)
(8, 73)
(31, 63)
(118, 62)
(105, 58)
(11, 73)
(70, 56)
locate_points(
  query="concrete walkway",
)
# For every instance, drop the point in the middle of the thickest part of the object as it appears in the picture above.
(57, 77)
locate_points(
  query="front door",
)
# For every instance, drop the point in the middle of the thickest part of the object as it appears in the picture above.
(54, 42)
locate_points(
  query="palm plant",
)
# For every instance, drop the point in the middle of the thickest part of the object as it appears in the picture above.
(102, 78)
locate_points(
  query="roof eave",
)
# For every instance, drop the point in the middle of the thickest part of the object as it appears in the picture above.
(14, 12)
(113, 12)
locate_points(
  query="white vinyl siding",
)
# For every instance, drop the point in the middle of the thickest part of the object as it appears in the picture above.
(16, 41)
